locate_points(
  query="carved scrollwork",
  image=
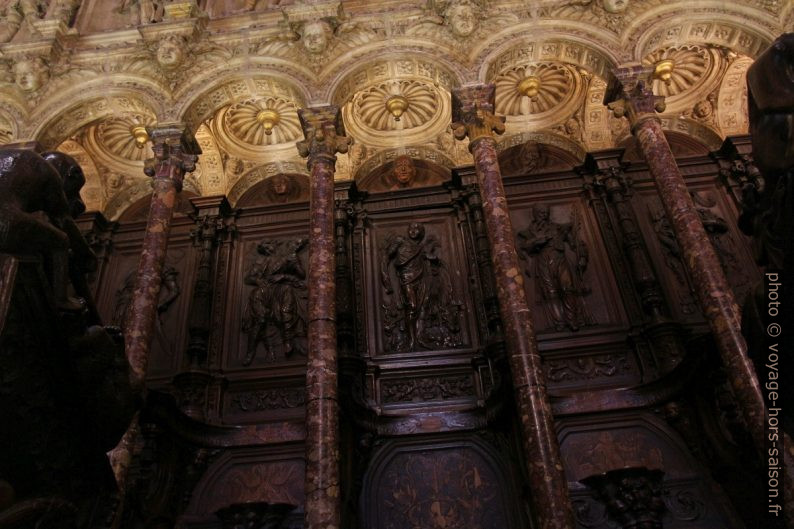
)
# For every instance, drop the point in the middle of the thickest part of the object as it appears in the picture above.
(426, 389)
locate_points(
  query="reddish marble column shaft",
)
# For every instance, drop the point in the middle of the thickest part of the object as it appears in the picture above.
(629, 94)
(713, 291)
(473, 113)
(324, 138)
(175, 154)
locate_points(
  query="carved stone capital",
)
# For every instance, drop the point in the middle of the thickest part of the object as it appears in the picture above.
(324, 133)
(473, 113)
(175, 152)
(630, 95)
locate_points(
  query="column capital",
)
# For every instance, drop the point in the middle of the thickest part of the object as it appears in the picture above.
(324, 134)
(629, 94)
(175, 152)
(473, 113)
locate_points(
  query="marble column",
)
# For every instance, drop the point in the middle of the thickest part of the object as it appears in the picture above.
(325, 136)
(175, 153)
(630, 95)
(473, 116)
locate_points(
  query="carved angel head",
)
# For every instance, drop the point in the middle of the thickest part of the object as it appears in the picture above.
(616, 6)
(461, 17)
(316, 35)
(31, 73)
(171, 51)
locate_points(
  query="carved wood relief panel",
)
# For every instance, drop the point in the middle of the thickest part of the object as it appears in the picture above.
(415, 287)
(249, 475)
(566, 271)
(170, 335)
(623, 441)
(720, 221)
(452, 484)
(266, 299)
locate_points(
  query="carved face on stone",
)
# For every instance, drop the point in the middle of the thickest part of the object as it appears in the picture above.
(30, 74)
(404, 170)
(616, 6)
(316, 36)
(170, 52)
(703, 109)
(280, 185)
(462, 20)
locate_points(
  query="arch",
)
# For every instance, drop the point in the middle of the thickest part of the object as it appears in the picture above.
(138, 210)
(65, 117)
(681, 144)
(426, 174)
(277, 189)
(666, 25)
(376, 66)
(385, 157)
(232, 83)
(573, 49)
(566, 148)
(260, 173)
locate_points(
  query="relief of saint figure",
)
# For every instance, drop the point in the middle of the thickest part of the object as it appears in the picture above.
(422, 314)
(558, 260)
(275, 315)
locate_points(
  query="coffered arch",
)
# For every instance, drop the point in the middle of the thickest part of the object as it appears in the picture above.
(66, 117)
(736, 31)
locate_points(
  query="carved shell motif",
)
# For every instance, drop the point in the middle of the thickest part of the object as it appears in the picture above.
(420, 105)
(690, 63)
(554, 82)
(263, 121)
(123, 137)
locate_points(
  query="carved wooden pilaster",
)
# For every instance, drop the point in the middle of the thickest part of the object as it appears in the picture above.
(345, 301)
(609, 180)
(325, 136)
(629, 94)
(473, 117)
(175, 153)
(214, 220)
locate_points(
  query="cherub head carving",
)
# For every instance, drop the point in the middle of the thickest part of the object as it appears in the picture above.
(616, 6)
(30, 74)
(461, 16)
(171, 51)
(316, 35)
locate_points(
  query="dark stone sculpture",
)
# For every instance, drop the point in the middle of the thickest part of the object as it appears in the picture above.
(275, 312)
(66, 397)
(423, 315)
(35, 212)
(559, 283)
(768, 205)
